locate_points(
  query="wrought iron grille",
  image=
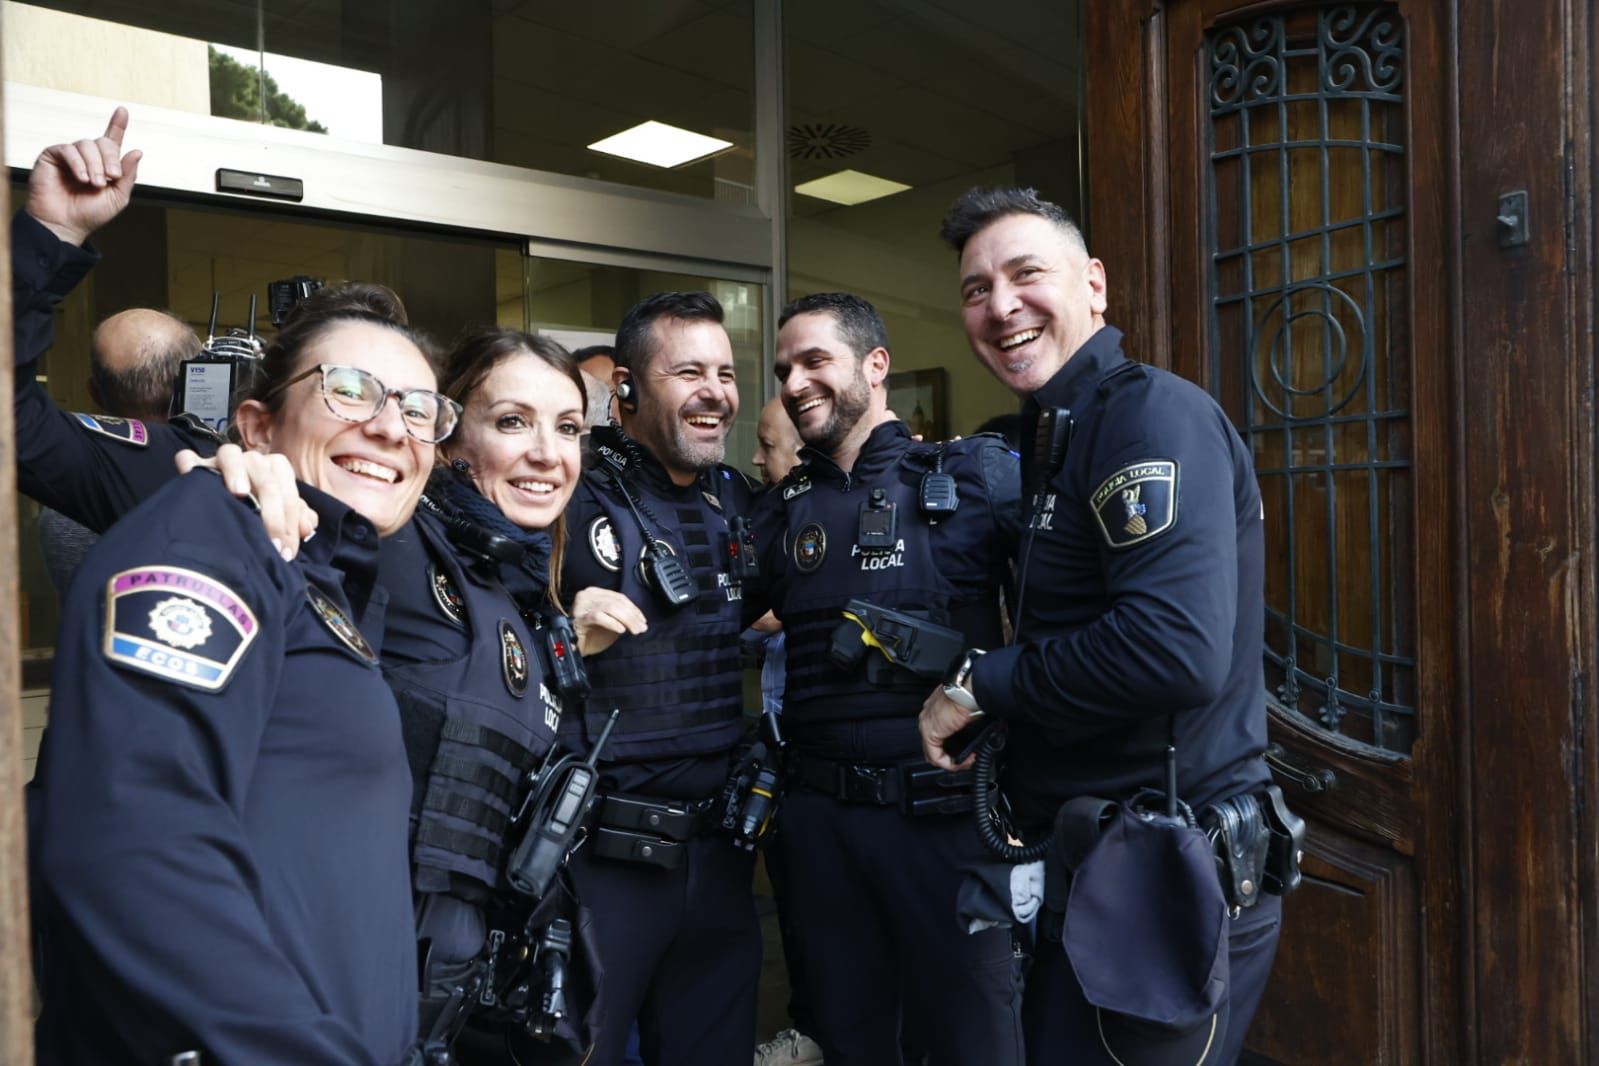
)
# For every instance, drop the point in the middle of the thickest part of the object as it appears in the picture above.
(1310, 346)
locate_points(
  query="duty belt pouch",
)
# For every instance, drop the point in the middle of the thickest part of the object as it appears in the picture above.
(1240, 838)
(1145, 929)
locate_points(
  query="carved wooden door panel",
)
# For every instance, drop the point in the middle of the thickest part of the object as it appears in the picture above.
(1263, 190)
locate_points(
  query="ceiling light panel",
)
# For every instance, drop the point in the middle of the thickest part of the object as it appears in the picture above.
(660, 145)
(850, 187)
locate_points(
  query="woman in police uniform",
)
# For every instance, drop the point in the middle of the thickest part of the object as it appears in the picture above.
(469, 649)
(220, 848)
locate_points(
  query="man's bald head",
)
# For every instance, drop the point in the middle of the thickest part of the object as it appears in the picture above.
(777, 442)
(137, 355)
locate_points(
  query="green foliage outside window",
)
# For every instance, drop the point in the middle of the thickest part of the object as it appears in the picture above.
(236, 93)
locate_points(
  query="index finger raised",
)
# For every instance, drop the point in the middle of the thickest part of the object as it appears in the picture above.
(117, 126)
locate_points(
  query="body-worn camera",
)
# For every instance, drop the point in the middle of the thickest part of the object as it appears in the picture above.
(878, 527)
(564, 667)
(742, 561)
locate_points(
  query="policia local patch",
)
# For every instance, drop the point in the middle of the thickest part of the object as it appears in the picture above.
(1137, 502)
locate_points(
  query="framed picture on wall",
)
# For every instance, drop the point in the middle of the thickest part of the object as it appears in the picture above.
(921, 399)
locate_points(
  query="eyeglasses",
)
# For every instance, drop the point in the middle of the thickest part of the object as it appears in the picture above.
(354, 395)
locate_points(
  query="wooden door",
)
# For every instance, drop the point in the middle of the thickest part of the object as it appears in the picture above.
(1368, 230)
(1264, 187)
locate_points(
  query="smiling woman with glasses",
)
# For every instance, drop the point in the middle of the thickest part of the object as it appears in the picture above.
(221, 842)
(356, 395)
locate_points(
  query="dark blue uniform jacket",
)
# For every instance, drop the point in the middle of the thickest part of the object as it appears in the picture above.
(1142, 599)
(91, 468)
(949, 570)
(219, 845)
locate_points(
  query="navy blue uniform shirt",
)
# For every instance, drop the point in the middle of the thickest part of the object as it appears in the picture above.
(219, 846)
(1143, 597)
(91, 468)
(950, 568)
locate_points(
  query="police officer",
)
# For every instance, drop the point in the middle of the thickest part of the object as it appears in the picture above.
(473, 647)
(1142, 600)
(219, 847)
(659, 519)
(877, 843)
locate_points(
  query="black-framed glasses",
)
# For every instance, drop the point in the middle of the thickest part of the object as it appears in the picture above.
(354, 395)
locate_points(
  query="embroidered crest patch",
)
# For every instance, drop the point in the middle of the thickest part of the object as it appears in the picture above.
(339, 624)
(1137, 502)
(810, 548)
(513, 660)
(177, 625)
(446, 595)
(603, 544)
(127, 430)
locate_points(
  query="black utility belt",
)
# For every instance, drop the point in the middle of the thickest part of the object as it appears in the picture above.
(916, 788)
(647, 830)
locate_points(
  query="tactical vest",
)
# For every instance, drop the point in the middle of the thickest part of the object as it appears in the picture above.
(679, 684)
(473, 727)
(825, 568)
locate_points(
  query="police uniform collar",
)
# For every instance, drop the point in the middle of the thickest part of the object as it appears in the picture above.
(346, 541)
(618, 453)
(1099, 355)
(882, 449)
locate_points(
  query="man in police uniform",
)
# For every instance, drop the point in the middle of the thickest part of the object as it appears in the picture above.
(875, 842)
(659, 519)
(1142, 603)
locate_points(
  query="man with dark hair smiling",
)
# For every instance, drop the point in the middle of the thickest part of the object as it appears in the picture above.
(876, 845)
(654, 518)
(1140, 631)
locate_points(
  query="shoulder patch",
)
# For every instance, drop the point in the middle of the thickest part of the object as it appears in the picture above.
(796, 487)
(604, 544)
(127, 430)
(177, 625)
(1137, 502)
(340, 624)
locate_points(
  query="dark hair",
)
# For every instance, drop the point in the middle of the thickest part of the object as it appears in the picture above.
(144, 389)
(858, 321)
(635, 340)
(361, 297)
(475, 355)
(981, 206)
(281, 361)
(480, 349)
(583, 355)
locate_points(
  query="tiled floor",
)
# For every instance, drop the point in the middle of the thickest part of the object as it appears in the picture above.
(34, 705)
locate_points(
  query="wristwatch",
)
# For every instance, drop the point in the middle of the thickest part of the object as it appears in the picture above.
(957, 686)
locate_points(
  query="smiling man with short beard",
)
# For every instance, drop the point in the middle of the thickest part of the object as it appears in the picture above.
(653, 518)
(876, 852)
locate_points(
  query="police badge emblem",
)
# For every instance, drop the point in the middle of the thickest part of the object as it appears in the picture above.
(446, 595)
(176, 624)
(339, 624)
(1137, 502)
(710, 498)
(180, 622)
(604, 545)
(810, 548)
(513, 660)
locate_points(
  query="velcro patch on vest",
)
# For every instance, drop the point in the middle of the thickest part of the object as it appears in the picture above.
(446, 595)
(604, 544)
(177, 625)
(1137, 502)
(513, 660)
(127, 430)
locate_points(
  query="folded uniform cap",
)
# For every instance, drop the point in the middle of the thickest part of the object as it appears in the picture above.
(1146, 933)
